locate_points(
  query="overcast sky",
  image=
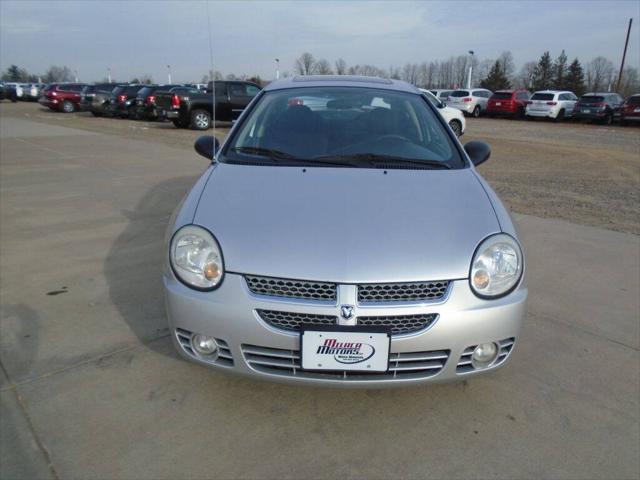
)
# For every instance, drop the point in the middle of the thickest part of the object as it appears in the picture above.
(141, 37)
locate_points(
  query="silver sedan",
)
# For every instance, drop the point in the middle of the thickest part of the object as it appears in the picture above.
(342, 236)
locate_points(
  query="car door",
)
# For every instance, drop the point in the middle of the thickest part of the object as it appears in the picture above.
(240, 95)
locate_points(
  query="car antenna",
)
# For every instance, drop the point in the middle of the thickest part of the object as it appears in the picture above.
(213, 82)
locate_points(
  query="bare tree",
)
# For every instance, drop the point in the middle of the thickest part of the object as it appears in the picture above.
(56, 73)
(323, 67)
(341, 67)
(410, 73)
(394, 72)
(599, 74)
(146, 79)
(305, 64)
(630, 83)
(507, 64)
(525, 77)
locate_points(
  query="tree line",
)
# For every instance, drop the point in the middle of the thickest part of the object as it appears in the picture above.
(494, 74)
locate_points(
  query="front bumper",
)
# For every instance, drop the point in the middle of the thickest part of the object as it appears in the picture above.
(249, 344)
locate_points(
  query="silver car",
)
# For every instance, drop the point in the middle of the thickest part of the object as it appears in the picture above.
(342, 236)
(472, 101)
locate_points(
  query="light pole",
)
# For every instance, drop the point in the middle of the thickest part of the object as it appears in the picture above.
(109, 74)
(277, 68)
(470, 69)
(76, 74)
(169, 73)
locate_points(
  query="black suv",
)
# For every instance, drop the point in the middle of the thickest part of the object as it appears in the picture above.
(601, 107)
(144, 107)
(122, 100)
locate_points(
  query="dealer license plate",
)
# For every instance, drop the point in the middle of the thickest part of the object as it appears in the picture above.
(344, 349)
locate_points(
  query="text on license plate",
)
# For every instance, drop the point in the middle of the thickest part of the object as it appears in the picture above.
(344, 350)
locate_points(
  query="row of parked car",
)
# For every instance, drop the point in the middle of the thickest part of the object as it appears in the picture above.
(21, 91)
(603, 107)
(186, 105)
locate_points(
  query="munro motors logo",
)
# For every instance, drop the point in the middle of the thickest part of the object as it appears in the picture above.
(346, 352)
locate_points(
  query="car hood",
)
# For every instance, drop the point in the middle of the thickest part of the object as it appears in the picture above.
(346, 225)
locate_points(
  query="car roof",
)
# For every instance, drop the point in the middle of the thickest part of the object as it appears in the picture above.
(342, 81)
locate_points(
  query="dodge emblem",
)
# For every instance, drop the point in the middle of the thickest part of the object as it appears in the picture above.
(346, 311)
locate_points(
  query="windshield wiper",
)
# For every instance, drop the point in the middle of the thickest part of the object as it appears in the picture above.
(384, 161)
(280, 155)
(265, 152)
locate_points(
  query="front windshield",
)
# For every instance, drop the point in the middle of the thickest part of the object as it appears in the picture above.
(343, 126)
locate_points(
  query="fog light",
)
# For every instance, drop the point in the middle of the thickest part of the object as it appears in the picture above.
(204, 345)
(484, 354)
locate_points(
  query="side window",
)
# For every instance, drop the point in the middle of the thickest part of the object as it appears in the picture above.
(237, 90)
(75, 88)
(221, 89)
(252, 91)
(563, 96)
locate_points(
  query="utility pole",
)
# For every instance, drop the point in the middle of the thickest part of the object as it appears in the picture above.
(277, 68)
(76, 74)
(109, 74)
(470, 69)
(624, 54)
(169, 73)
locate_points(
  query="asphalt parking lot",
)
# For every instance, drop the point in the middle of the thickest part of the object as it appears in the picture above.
(90, 386)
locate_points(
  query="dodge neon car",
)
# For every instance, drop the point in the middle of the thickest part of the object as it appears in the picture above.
(342, 236)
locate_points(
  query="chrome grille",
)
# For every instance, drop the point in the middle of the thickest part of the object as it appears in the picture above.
(465, 365)
(400, 324)
(282, 287)
(286, 363)
(292, 321)
(402, 292)
(223, 358)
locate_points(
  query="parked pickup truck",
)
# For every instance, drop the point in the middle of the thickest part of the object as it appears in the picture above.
(195, 109)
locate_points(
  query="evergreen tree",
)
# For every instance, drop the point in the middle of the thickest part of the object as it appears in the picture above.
(543, 74)
(574, 80)
(496, 79)
(560, 71)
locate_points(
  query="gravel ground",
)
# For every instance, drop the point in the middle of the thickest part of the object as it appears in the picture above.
(587, 174)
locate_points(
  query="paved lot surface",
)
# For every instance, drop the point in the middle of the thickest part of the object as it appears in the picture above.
(91, 388)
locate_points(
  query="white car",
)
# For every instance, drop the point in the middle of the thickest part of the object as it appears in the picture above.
(441, 94)
(452, 116)
(471, 101)
(555, 104)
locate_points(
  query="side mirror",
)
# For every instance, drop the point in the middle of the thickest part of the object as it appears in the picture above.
(207, 146)
(479, 152)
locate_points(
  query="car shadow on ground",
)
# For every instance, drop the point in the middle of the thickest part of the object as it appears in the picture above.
(133, 266)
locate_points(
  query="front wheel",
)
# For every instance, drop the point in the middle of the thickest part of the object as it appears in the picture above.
(200, 120)
(456, 127)
(476, 111)
(68, 107)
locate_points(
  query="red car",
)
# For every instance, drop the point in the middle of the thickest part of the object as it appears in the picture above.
(63, 97)
(508, 102)
(630, 111)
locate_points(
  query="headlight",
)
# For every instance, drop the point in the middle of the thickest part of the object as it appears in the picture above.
(496, 267)
(196, 258)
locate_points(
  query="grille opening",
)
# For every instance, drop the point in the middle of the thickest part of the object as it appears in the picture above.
(287, 363)
(281, 287)
(399, 324)
(402, 292)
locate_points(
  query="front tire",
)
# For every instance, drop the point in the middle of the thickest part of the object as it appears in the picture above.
(456, 126)
(68, 107)
(476, 112)
(200, 120)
